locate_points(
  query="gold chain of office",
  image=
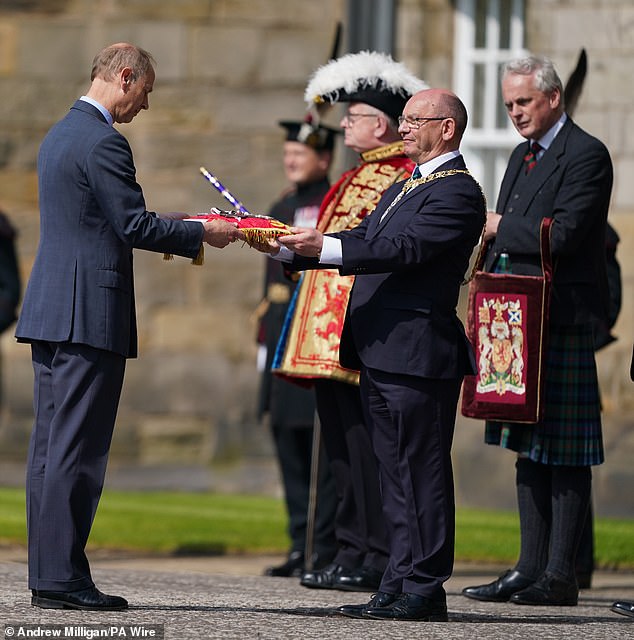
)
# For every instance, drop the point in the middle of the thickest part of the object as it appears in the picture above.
(413, 183)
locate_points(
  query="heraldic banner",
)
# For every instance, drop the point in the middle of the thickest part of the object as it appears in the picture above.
(507, 323)
(310, 347)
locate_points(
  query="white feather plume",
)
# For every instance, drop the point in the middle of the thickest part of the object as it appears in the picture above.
(355, 71)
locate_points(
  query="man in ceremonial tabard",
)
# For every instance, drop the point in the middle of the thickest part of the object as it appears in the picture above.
(376, 89)
(564, 173)
(307, 157)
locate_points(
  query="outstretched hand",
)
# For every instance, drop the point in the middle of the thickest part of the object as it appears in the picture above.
(219, 233)
(265, 246)
(305, 242)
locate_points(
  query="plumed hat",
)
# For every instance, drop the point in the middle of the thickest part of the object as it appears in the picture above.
(368, 76)
(316, 136)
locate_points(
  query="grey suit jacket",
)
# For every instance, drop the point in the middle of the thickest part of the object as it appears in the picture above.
(92, 215)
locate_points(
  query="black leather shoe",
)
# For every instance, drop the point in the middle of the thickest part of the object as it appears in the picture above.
(548, 590)
(90, 599)
(409, 606)
(380, 599)
(362, 579)
(292, 568)
(323, 578)
(584, 580)
(624, 608)
(499, 590)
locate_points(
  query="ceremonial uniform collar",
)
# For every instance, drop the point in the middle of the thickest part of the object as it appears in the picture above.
(380, 153)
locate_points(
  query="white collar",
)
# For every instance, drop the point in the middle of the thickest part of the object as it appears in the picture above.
(430, 166)
(547, 139)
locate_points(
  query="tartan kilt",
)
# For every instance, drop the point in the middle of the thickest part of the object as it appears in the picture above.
(570, 430)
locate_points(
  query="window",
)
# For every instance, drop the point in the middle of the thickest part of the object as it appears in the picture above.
(487, 34)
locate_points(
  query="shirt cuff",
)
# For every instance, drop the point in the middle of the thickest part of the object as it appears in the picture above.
(284, 254)
(331, 252)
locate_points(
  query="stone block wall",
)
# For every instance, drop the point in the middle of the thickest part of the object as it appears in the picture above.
(227, 71)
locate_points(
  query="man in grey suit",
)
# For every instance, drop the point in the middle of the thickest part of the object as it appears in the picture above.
(79, 316)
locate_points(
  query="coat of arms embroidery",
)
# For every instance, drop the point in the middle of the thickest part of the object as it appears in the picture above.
(500, 348)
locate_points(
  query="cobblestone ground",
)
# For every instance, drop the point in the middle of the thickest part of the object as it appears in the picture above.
(227, 597)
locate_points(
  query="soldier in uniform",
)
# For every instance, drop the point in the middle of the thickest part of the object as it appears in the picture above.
(307, 156)
(375, 88)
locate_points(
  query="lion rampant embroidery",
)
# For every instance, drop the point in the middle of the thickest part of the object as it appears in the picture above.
(336, 308)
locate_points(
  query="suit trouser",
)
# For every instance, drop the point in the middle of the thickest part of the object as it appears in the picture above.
(359, 526)
(412, 422)
(76, 395)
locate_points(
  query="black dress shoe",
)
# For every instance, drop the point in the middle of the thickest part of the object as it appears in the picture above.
(362, 579)
(499, 590)
(323, 578)
(624, 608)
(292, 568)
(90, 599)
(380, 599)
(409, 606)
(584, 580)
(548, 590)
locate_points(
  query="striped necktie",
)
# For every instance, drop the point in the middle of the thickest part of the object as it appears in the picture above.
(530, 159)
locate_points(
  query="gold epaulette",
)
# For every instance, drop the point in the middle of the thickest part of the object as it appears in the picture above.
(387, 151)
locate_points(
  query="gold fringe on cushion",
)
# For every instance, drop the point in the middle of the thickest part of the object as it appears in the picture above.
(198, 260)
(254, 237)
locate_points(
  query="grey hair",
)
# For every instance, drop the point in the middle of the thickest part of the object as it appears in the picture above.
(109, 61)
(546, 78)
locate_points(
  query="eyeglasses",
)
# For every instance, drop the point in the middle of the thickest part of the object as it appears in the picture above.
(417, 123)
(348, 119)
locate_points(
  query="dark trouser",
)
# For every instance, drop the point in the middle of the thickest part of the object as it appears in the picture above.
(359, 526)
(76, 395)
(412, 421)
(294, 447)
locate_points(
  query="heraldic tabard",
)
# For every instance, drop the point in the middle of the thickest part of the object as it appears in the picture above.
(309, 345)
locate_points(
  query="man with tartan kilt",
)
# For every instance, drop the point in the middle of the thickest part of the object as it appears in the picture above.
(567, 177)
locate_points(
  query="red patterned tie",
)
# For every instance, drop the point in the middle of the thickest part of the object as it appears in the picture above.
(530, 159)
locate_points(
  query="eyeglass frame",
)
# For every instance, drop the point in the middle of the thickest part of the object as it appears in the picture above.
(347, 117)
(417, 123)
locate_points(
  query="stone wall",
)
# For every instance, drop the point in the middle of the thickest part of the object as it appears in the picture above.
(227, 71)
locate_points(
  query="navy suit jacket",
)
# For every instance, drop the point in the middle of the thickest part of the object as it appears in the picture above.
(401, 316)
(92, 215)
(571, 183)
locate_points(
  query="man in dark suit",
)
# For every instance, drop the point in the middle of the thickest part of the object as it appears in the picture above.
(375, 88)
(307, 156)
(562, 173)
(409, 257)
(79, 316)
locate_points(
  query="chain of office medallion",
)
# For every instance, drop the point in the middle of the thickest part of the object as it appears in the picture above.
(412, 183)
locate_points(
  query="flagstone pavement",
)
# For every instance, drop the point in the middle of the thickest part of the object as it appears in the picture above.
(228, 597)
